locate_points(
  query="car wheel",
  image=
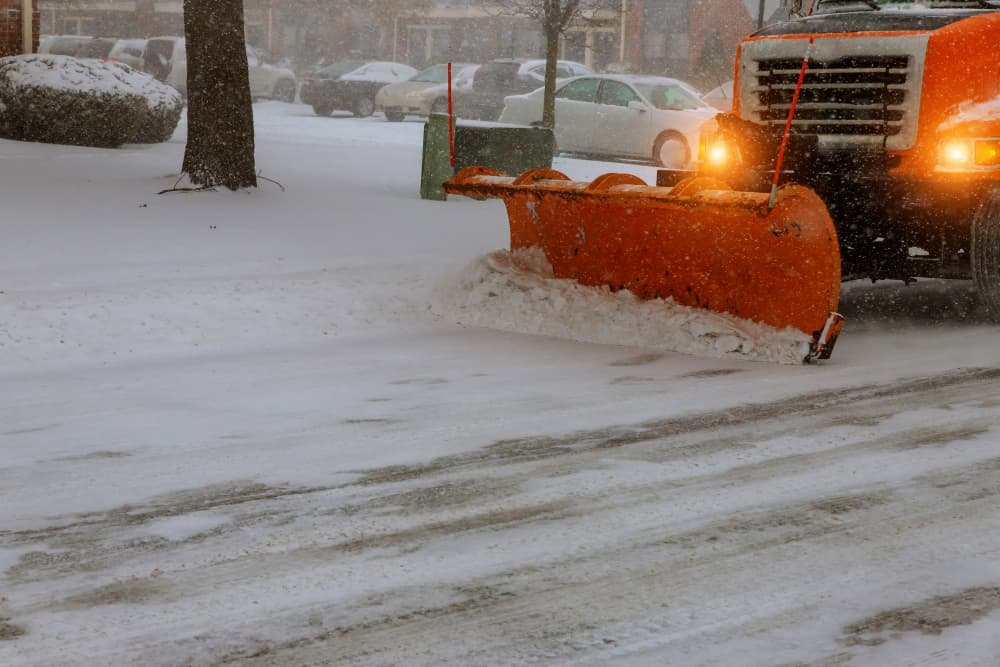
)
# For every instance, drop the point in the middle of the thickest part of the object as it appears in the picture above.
(284, 91)
(323, 109)
(985, 252)
(394, 116)
(671, 151)
(440, 105)
(364, 107)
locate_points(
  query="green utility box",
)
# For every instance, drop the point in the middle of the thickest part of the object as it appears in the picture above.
(436, 167)
(510, 149)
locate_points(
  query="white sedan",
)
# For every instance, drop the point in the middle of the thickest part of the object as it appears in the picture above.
(633, 117)
(420, 94)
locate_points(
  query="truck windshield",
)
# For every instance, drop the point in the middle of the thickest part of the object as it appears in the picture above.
(828, 6)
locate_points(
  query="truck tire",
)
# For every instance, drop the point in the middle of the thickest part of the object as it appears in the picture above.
(986, 253)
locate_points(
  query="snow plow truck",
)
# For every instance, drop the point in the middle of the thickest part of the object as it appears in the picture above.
(864, 142)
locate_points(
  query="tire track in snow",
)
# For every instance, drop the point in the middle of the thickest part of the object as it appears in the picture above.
(658, 441)
(550, 607)
(454, 498)
(826, 404)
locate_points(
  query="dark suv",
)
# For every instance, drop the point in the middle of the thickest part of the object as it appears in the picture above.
(508, 76)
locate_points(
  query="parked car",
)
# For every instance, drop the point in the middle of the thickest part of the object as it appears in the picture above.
(437, 95)
(408, 97)
(62, 45)
(166, 59)
(332, 71)
(633, 117)
(721, 98)
(129, 52)
(78, 46)
(97, 47)
(508, 76)
(354, 91)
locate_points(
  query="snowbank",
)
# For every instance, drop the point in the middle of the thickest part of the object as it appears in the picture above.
(64, 100)
(515, 291)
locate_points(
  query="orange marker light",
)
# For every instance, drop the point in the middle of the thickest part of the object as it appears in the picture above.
(988, 152)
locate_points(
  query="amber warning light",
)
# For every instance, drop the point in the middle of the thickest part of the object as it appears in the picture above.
(988, 153)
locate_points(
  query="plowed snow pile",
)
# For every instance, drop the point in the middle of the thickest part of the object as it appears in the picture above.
(515, 291)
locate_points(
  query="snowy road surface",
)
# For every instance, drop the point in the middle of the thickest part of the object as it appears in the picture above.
(256, 429)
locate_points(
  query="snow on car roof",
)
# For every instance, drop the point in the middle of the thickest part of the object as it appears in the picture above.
(645, 79)
(640, 79)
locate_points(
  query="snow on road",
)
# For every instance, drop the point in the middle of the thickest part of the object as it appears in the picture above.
(271, 429)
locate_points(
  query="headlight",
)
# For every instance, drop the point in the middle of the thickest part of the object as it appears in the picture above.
(716, 150)
(955, 154)
(717, 154)
(960, 154)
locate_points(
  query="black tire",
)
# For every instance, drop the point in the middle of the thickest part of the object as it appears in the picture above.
(364, 107)
(985, 253)
(323, 108)
(284, 91)
(679, 154)
(394, 116)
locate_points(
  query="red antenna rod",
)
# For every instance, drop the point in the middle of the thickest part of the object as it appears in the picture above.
(788, 123)
(451, 122)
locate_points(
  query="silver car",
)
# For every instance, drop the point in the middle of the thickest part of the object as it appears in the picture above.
(166, 59)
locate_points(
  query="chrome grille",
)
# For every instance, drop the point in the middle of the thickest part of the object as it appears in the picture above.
(854, 95)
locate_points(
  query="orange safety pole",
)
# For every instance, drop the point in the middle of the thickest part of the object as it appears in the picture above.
(451, 122)
(788, 124)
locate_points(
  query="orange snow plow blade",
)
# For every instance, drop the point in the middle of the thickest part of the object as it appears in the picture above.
(700, 243)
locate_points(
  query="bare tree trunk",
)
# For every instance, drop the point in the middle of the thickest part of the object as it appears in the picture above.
(552, 33)
(220, 144)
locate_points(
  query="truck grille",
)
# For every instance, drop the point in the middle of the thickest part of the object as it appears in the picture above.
(859, 91)
(854, 95)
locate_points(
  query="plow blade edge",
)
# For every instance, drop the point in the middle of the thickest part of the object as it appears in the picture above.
(699, 243)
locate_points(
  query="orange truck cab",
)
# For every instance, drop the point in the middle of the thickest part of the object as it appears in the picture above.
(896, 127)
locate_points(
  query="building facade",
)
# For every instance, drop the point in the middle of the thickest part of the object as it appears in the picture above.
(12, 26)
(691, 39)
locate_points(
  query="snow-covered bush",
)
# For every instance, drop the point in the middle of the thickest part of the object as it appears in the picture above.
(64, 100)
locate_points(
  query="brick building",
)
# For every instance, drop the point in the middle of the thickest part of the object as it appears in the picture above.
(112, 18)
(690, 39)
(12, 24)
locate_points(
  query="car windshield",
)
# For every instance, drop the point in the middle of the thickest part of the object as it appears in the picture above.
(338, 69)
(669, 96)
(465, 76)
(435, 74)
(96, 48)
(496, 75)
(65, 46)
